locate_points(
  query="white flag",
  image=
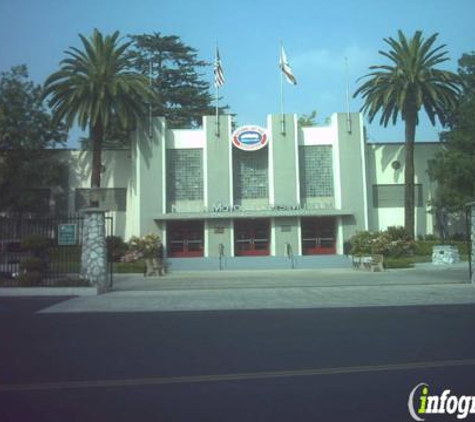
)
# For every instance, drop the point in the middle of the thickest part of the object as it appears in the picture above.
(286, 69)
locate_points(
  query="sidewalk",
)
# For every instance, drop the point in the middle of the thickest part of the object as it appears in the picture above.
(284, 289)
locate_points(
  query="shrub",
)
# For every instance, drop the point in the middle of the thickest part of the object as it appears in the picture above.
(137, 267)
(361, 243)
(32, 264)
(459, 237)
(424, 247)
(29, 279)
(393, 242)
(146, 246)
(36, 243)
(116, 247)
(398, 263)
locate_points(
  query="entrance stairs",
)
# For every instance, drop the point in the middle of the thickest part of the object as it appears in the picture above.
(258, 263)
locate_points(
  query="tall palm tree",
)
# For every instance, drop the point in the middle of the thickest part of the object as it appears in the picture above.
(405, 86)
(97, 88)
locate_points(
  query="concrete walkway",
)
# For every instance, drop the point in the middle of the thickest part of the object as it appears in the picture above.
(284, 289)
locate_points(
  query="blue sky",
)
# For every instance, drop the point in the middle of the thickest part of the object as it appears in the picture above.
(317, 36)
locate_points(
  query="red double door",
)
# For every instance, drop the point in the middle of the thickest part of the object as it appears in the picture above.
(318, 236)
(185, 239)
(252, 237)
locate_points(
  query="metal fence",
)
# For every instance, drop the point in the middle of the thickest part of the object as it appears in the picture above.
(468, 220)
(39, 251)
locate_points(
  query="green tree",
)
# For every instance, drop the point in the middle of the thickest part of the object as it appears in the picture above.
(454, 167)
(310, 120)
(25, 122)
(96, 87)
(174, 69)
(410, 82)
(27, 134)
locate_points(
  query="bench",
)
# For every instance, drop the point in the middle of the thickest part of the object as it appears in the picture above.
(155, 267)
(369, 263)
(376, 263)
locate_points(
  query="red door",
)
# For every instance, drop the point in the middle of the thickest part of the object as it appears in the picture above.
(185, 239)
(318, 236)
(251, 237)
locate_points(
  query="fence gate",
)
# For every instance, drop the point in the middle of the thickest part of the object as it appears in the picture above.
(38, 251)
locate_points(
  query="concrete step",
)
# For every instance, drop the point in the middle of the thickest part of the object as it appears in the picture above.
(258, 263)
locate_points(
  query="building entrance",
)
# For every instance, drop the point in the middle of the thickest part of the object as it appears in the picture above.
(251, 237)
(318, 236)
(185, 239)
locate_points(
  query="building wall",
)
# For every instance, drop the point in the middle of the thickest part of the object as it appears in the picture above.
(350, 159)
(146, 188)
(286, 231)
(382, 171)
(356, 167)
(116, 174)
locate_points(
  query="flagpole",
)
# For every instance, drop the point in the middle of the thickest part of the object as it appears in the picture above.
(217, 112)
(282, 115)
(150, 72)
(217, 93)
(348, 115)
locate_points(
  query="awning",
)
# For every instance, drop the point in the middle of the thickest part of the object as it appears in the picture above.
(253, 214)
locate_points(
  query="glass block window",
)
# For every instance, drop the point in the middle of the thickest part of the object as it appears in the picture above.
(184, 175)
(316, 171)
(251, 174)
(392, 196)
(111, 199)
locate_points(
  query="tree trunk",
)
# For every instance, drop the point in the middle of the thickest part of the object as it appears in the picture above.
(97, 133)
(409, 197)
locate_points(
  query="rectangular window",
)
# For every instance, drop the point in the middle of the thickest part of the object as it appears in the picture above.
(111, 199)
(316, 171)
(184, 175)
(251, 174)
(392, 196)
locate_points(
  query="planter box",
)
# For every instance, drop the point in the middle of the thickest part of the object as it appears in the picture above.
(445, 255)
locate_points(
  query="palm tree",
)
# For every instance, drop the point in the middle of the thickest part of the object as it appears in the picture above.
(405, 86)
(97, 88)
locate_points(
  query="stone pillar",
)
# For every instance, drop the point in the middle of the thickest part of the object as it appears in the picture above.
(472, 239)
(94, 249)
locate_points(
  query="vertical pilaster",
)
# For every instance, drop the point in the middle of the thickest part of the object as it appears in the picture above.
(217, 159)
(352, 165)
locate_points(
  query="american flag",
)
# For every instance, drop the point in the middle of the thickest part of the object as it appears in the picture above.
(218, 71)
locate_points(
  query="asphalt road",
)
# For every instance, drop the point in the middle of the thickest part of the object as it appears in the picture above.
(357, 364)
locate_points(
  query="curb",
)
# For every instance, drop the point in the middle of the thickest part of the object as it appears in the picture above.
(49, 291)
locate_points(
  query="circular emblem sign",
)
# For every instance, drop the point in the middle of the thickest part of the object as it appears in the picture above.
(250, 138)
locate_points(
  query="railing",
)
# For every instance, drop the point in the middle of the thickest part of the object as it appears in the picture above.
(468, 220)
(43, 251)
(221, 256)
(290, 254)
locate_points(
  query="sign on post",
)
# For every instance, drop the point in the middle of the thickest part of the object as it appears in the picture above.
(67, 234)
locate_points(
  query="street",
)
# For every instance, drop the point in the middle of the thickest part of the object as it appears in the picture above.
(325, 364)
